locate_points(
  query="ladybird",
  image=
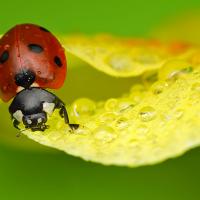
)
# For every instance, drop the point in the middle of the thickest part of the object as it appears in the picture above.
(31, 60)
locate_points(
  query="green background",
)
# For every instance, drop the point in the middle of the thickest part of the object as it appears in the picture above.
(43, 174)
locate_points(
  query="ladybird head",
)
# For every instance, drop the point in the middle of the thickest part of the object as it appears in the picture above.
(25, 78)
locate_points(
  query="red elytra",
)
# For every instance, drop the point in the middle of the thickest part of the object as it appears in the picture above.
(29, 46)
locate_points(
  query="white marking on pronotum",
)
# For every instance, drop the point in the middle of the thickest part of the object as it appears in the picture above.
(48, 107)
(18, 115)
(29, 121)
(19, 88)
(39, 120)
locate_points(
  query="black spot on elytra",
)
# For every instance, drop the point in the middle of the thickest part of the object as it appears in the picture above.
(4, 57)
(44, 29)
(58, 61)
(36, 48)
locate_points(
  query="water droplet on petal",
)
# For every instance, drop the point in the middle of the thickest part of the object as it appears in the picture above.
(147, 113)
(174, 69)
(83, 107)
(159, 87)
(124, 104)
(111, 104)
(107, 117)
(104, 134)
(120, 62)
(178, 113)
(82, 130)
(121, 123)
(136, 97)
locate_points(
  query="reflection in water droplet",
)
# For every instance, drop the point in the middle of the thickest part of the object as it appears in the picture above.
(104, 134)
(136, 97)
(111, 104)
(147, 114)
(124, 105)
(107, 117)
(82, 130)
(173, 69)
(121, 123)
(120, 62)
(83, 107)
(178, 113)
(159, 87)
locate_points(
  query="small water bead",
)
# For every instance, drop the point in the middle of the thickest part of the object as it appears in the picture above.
(124, 104)
(83, 107)
(173, 69)
(104, 134)
(136, 97)
(178, 113)
(147, 113)
(82, 130)
(107, 117)
(120, 62)
(159, 86)
(111, 104)
(121, 123)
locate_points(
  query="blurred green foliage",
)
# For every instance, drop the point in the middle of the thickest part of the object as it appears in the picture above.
(52, 175)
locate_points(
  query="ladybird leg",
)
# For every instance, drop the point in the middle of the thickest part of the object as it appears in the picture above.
(16, 124)
(63, 114)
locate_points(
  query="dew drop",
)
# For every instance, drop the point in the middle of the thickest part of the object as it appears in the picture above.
(107, 117)
(124, 104)
(147, 113)
(120, 62)
(178, 113)
(82, 130)
(159, 87)
(136, 97)
(111, 104)
(104, 134)
(83, 107)
(121, 123)
(174, 69)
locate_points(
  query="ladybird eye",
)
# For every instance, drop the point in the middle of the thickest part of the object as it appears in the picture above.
(57, 61)
(44, 29)
(36, 48)
(4, 57)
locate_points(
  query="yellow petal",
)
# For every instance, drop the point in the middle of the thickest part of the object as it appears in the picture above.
(146, 125)
(122, 57)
